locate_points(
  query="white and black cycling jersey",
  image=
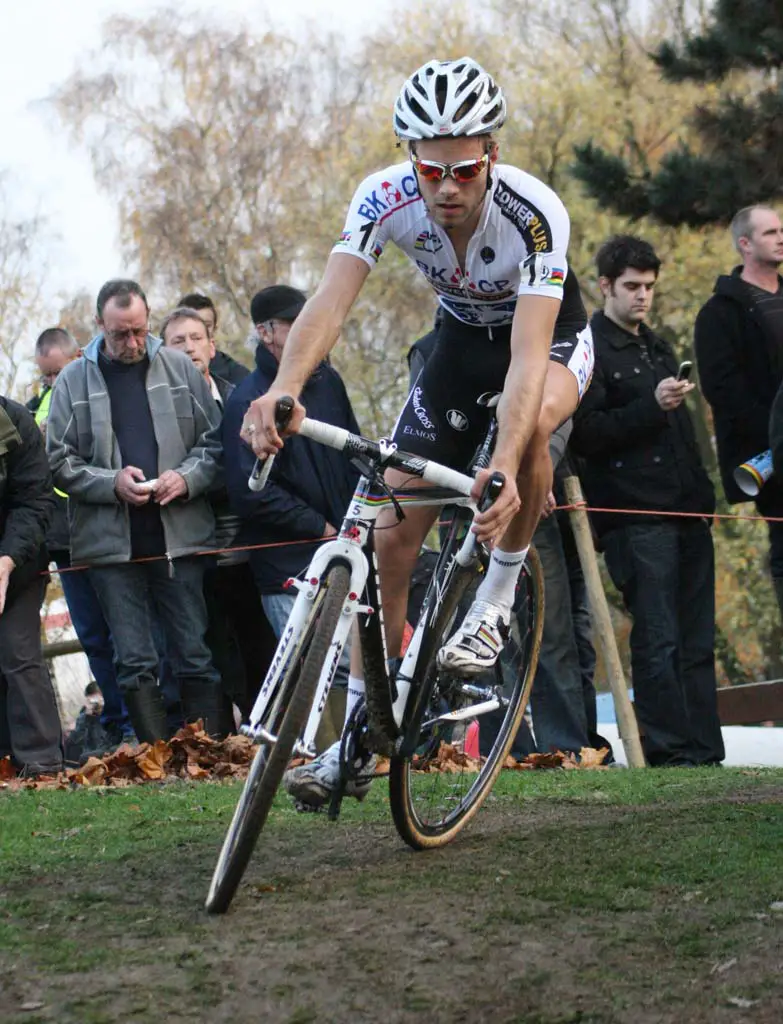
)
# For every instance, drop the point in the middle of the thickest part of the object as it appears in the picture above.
(518, 248)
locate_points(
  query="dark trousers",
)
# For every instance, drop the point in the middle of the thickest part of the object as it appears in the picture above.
(94, 635)
(557, 700)
(132, 596)
(239, 636)
(666, 574)
(29, 719)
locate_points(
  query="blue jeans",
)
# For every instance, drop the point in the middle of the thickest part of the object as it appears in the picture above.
(666, 574)
(94, 635)
(132, 595)
(277, 608)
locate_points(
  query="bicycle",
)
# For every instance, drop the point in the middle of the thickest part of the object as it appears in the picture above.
(408, 714)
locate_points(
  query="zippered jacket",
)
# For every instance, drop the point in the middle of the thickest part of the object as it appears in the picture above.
(634, 455)
(740, 371)
(85, 458)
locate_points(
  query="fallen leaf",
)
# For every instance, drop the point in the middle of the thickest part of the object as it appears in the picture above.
(589, 757)
(151, 762)
(92, 773)
(740, 1003)
(551, 760)
(32, 1004)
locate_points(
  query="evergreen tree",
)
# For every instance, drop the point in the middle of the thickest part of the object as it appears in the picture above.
(739, 157)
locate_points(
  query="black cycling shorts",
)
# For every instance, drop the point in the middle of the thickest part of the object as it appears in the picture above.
(441, 419)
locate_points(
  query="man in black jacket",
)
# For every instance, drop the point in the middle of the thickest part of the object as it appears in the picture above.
(640, 452)
(739, 348)
(310, 487)
(29, 720)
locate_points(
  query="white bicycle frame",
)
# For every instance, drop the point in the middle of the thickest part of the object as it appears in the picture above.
(348, 549)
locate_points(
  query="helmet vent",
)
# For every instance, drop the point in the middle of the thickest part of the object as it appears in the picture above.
(418, 110)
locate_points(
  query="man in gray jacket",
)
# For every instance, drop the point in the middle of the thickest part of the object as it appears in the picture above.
(133, 440)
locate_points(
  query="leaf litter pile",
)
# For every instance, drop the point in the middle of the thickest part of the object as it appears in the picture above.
(192, 754)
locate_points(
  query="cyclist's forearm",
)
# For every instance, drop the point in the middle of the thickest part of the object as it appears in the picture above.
(520, 407)
(312, 338)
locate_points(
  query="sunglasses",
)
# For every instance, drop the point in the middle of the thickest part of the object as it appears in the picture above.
(462, 171)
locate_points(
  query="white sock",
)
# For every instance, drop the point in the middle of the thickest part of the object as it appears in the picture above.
(500, 583)
(353, 696)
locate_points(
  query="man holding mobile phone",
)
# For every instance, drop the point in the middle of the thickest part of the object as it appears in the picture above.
(133, 440)
(639, 452)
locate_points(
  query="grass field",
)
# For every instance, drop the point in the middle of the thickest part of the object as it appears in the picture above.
(616, 896)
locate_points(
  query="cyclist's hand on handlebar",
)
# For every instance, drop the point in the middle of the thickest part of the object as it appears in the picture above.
(259, 429)
(489, 526)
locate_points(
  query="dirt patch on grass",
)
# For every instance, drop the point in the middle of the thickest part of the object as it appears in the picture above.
(539, 914)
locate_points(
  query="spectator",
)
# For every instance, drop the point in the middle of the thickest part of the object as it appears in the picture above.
(310, 485)
(239, 637)
(562, 701)
(640, 452)
(739, 349)
(54, 349)
(221, 363)
(29, 719)
(133, 440)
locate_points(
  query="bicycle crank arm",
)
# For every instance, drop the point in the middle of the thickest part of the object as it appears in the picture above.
(258, 734)
(472, 712)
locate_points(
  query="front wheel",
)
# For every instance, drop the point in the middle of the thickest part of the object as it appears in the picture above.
(435, 791)
(287, 719)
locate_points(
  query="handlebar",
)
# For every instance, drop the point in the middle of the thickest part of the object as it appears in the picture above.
(342, 439)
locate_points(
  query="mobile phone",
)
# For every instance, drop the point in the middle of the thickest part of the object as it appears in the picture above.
(684, 371)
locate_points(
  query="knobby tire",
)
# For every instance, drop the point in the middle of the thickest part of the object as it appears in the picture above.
(407, 821)
(269, 765)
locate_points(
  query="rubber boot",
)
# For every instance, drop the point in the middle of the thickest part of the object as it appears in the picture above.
(147, 712)
(209, 703)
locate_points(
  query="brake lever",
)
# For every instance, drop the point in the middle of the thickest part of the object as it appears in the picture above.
(491, 492)
(284, 408)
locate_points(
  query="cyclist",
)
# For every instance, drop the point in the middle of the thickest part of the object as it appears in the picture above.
(491, 240)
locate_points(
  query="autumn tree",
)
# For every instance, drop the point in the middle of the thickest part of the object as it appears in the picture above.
(733, 155)
(22, 273)
(78, 317)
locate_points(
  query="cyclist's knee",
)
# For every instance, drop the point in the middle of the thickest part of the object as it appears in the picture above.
(396, 545)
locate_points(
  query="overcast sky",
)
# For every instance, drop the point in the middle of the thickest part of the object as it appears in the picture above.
(44, 42)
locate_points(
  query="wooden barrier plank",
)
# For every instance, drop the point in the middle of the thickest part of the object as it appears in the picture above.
(751, 703)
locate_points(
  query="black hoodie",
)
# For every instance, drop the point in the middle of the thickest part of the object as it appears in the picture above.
(739, 376)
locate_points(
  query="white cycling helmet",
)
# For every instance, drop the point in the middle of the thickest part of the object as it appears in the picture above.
(449, 97)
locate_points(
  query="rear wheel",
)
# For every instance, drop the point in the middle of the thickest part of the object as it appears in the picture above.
(436, 790)
(286, 720)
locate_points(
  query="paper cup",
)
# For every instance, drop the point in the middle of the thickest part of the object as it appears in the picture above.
(751, 476)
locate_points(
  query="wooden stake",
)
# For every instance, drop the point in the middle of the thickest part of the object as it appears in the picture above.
(602, 622)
